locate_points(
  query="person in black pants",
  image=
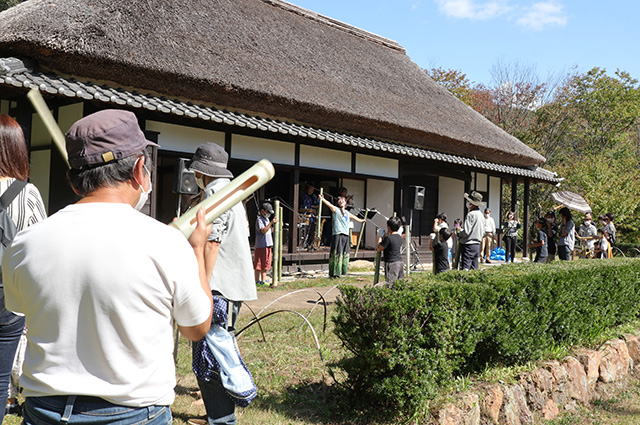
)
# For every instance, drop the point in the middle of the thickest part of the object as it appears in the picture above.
(510, 229)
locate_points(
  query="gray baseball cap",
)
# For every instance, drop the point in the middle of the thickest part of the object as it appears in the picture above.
(104, 136)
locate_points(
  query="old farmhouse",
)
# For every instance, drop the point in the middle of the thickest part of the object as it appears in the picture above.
(329, 104)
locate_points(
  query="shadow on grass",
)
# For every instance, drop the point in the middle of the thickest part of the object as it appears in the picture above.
(315, 403)
(616, 408)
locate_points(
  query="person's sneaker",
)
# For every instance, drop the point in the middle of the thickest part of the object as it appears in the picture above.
(488, 261)
(259, 283)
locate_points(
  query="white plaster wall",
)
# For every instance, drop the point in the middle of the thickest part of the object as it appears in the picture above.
(256, 148)
(451, 198)
(182, 138)
(380, 196)
(39, 135)
(69, 114)
(40, 163)
(376, 166)
(481, 182)
(325, 159)
(494, 198)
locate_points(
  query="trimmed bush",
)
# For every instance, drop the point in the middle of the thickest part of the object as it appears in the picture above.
(407, 341)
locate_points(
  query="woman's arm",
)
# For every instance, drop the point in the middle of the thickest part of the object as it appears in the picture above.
(356, 218)
(328, 204)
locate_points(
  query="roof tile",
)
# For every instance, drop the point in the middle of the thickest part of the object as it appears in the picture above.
(55, 84)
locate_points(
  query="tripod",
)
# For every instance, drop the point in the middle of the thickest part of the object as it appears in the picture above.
(415, 258)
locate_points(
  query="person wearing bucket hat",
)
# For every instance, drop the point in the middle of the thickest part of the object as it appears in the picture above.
(100, 285)
(472, 232)
(264, 243)
(231, 279)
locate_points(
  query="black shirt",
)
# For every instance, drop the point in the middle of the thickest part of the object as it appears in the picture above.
(441, 256)
(392, 244)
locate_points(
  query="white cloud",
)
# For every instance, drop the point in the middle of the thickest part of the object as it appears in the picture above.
(473, 9)
(415, 4)
(543, 14)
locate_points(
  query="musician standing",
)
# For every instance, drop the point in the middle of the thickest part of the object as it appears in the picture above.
(100, 285)
(231, 273)
(340, 247)
(309, 207)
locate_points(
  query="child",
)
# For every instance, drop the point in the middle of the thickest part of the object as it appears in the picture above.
(441, 251)
(390, 245)
(264, 243)
(541, 244)
(603, 248)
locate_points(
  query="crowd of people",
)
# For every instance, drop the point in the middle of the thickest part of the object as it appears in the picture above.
(474, 239)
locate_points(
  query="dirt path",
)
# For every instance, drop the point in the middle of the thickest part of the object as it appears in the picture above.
(292, 299)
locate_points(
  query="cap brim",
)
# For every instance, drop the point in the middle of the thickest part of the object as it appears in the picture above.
(476, 203)
(209, 170)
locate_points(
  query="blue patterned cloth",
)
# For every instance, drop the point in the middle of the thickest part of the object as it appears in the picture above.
(216, 357)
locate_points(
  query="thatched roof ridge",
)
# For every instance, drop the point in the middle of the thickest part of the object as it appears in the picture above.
(257, 55)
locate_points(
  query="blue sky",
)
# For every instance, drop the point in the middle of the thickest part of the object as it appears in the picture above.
(552, 36)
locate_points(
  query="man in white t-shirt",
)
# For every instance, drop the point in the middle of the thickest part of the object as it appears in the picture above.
(489, 236)
(101, 284)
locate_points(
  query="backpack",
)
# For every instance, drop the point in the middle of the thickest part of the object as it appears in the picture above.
(8, 228)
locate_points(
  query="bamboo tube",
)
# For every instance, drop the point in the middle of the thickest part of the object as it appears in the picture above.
(42, 109)
(275, 278)
(366, 214)
(237, 190)
(280, 246)
(408, 245)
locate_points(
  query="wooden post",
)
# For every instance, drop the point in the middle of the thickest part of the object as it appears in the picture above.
(275, 280)
(525, 220)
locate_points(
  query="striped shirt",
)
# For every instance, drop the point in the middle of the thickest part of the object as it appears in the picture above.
(27, 208)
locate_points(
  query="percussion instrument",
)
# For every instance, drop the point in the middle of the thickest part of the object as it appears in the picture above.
(238, 189)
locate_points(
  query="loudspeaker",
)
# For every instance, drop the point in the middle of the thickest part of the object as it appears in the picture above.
(416, 197)
(185, 182)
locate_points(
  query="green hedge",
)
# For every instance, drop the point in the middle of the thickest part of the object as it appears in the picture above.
(405, 342)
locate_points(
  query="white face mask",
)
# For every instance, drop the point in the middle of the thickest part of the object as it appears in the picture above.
(551, 220)
(144, 195)
(200, 182)
(469, 205)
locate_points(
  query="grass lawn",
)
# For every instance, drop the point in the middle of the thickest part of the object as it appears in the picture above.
(295, 387)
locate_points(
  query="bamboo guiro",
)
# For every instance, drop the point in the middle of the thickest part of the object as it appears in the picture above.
(237, 190)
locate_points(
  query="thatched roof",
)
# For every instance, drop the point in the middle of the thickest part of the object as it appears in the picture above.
(262, 56)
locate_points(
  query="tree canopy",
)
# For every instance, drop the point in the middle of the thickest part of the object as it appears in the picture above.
(587, 125)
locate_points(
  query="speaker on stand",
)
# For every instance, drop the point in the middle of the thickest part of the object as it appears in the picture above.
(185, 182)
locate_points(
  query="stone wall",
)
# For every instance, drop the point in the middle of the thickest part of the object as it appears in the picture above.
(547, 391)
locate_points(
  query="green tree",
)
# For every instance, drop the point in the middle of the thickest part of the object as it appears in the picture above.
(455, 81)
(587, 126)
(6, 4)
